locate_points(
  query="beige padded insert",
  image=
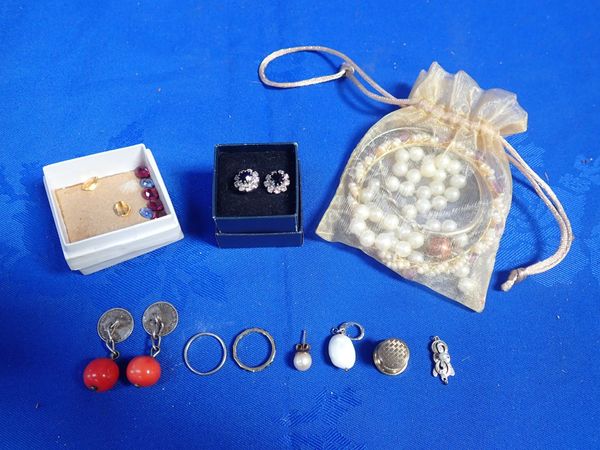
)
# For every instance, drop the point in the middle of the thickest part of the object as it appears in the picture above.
(90, 213)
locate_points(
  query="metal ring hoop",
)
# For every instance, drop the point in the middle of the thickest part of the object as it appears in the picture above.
(245, 333)
(344, 327)
(186, 349)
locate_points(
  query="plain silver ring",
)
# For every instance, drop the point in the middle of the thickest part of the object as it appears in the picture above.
(187, 348)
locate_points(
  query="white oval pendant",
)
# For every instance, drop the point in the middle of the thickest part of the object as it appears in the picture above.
(341, 351)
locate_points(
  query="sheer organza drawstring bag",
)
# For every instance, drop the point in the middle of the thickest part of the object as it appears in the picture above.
(428, 188)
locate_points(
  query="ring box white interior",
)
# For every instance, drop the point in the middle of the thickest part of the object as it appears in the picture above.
(99, 252)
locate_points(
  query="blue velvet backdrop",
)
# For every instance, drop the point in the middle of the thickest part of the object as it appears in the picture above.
(181, 76)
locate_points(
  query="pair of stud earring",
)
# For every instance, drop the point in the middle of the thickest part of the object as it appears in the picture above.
(116, 325)
(248, 180)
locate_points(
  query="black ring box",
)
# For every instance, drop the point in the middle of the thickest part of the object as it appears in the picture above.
(257, 218)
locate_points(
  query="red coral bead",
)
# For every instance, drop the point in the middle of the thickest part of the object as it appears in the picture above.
(101, 374)
(143, 371)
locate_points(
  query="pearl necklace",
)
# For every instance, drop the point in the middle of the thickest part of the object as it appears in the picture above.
(411, 239)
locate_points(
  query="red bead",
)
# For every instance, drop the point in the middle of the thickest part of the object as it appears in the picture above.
(143, 371)
(142, 172)
(101, 374)
(150, 194)
(155, 205)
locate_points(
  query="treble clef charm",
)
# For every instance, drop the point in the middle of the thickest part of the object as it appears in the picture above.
(441, 360)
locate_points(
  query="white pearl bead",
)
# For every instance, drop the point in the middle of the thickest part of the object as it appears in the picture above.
(383, 148)
(461, 240)
(375, 214)
(423, 192)
(374, 184)
(413, 175)
(409, 211)
(466, 285)
(454, 167)
(406, 189)
(458, 180)
(302, 361)
(440, 175)
(392, 183)
(402, 264)
(416, 239)
(478, 248)
(362, 212)
(437, 187)
(357, 226)
(384, 255)
(496, 216)
(366, 195)
(423, 205)
(439, 202)
(402, 249)
(433, 225)
(384, 241)
(396, 142)
(390, 222)
(416, 153)
(416, 257)
(403, 231)
(353, 188)
(367, 238)
(401, 155)
(462, 271)
(452, 194)
(400, 168)
(428, 169)
(442, 161)
(341, 351)
(449, 226)
(443, 267)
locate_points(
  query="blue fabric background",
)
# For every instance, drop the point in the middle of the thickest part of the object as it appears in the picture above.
(182, 76)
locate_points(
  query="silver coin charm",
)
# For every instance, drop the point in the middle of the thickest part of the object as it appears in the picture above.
(159, 319)
(114, 326)
(391, 356)
(441, 360)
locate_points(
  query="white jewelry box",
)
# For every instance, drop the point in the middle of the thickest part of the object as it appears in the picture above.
(104, 250)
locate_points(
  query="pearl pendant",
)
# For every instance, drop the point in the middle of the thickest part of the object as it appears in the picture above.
(302, 358)
(341, 350)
